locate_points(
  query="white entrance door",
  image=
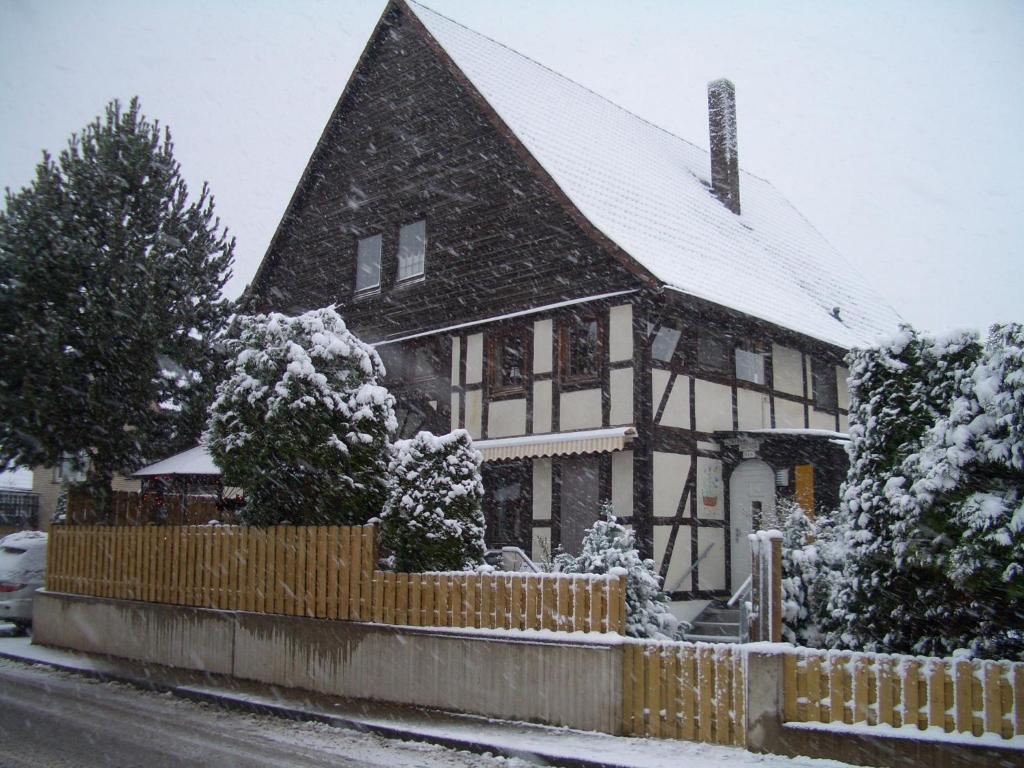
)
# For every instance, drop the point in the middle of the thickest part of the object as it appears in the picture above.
(751, 497)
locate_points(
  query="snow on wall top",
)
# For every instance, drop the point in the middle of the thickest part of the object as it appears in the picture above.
(649, 192)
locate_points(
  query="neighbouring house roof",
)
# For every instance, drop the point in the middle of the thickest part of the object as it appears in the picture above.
(194, 461)
(648, 191)
(556, 444)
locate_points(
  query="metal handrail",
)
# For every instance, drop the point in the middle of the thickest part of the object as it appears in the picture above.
(743, 590)
(693, 565)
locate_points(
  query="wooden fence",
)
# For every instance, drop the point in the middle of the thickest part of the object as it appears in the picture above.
(685, 691)
(131, 508)
(957, 695)
(326, 572)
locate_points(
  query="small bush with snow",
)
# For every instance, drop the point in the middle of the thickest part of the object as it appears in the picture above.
(432, 520)
(609, 548)
(301, 423)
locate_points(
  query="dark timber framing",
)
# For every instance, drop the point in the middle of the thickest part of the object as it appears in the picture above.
(411, 138)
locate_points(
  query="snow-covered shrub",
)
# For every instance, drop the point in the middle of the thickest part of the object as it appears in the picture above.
(961, 501)
(898, 390)
(432, 520)
(301, 422)
(803, 575)
(609, 548)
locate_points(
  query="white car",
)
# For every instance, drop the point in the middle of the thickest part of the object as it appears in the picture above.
(22, 565)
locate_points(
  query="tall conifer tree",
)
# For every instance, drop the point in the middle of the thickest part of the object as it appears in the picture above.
(110, 296)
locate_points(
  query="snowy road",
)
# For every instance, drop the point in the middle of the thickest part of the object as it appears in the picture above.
(54, 719)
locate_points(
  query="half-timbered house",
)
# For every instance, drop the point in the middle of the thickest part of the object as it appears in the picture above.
(611, 311)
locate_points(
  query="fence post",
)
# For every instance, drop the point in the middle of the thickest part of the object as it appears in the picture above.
(762, 701)
(766, 586)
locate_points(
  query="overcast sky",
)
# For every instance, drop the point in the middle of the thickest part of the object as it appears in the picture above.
(895, 127)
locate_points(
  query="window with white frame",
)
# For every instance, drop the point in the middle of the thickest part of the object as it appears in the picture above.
(412, 249)
(368, 263)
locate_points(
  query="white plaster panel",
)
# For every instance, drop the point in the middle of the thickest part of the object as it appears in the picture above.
(670, 472)
(787, 370)
(579, 410)
(713, 405)
(474, 402)
(455, 411)
(622, 483)
(542, 338)
(753, 411)
(541, 407)
(456, 359)
(843, 384)
(659, 380)
(844, 422)
(620, 333)
(788, 415)
(542, 489)
(506, 418)
(621, 386)
(541, 545)
(821, 419)
(680, 556)
(474, 358)
(677, 409)
(710, 494)
(712, 568)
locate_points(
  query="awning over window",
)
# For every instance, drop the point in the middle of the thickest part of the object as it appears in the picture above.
(556, 444)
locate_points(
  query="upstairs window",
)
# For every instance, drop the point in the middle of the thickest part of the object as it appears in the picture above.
(507, 360)
(750, 362)
(666, 340)
(368, 263)
(713, 352)
(412, 249)
(823, 384)
(581, 348)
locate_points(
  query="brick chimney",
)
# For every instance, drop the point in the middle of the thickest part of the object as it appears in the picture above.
(725, 168)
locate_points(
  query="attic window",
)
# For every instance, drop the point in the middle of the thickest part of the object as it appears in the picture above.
(368, 263)
(412, 249)
(507, 360)
(665, 342)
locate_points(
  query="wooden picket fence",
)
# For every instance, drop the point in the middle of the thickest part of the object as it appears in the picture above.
(969, 696)
(691, 691)
(326, 572)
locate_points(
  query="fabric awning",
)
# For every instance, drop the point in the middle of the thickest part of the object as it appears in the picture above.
(556, 444)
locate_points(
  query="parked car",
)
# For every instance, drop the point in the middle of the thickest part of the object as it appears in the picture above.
(22, 564)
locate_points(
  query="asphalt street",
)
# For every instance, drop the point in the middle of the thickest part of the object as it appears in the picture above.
(56, 719)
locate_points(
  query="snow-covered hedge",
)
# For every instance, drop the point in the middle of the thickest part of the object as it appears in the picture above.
(301, 423)
(432, 520)
(609, 548)
(928, 541)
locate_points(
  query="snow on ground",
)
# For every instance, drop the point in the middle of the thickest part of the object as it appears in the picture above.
(502, 736)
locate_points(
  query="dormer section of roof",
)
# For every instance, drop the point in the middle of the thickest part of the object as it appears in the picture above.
(725, 164)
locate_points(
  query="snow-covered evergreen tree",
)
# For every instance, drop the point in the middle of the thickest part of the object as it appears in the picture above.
(898, 392)
(302, 423)
(610, 548)
(801, 566)
(962, 506)
(110, 283)
(432, 520)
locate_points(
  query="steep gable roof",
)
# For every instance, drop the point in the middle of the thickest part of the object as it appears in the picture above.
(647, 191)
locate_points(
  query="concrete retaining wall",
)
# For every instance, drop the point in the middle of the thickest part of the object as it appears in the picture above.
(574, 684)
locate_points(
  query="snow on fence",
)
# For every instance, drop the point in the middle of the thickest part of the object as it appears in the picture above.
(325, 572)
(958, 695)
(691, 691)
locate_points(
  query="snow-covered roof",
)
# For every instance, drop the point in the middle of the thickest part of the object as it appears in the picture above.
(648, 191)
(194, 461)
